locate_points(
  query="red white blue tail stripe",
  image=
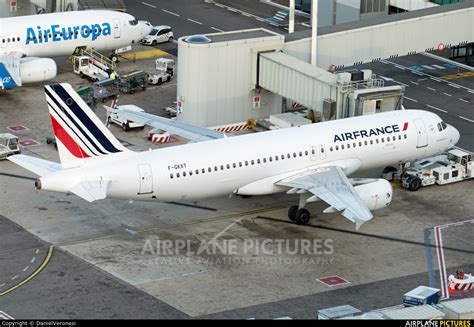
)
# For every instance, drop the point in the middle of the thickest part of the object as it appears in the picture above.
(76, 127)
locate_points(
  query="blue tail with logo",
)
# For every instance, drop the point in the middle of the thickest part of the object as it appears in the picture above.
(6, 80)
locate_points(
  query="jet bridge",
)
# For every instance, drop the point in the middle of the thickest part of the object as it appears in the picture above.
(330, 95)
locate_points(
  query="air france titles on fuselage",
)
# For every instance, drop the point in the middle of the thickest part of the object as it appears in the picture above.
(58, 33)
(389, 129)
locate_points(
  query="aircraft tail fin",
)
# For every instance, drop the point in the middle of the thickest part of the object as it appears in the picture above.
(80, 135)
(6, 79)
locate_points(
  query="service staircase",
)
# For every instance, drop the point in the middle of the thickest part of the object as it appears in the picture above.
(99, 59)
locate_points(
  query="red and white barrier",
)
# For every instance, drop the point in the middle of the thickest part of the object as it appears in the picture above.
(465, 284)
(157, 136)
(230, 128)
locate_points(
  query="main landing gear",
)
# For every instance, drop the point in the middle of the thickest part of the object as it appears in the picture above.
(298, 213)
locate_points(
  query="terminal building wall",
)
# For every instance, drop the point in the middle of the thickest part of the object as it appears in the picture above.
(215, 81)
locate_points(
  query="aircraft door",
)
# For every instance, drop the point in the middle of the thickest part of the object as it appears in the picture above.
(421, 133)
(146, 179)
(116, 28)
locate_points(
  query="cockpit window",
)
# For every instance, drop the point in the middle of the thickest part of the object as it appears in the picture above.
(442, 126)
(133, 22)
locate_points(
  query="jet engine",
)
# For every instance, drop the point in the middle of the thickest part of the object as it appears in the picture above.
(376, 193)
(33, 70)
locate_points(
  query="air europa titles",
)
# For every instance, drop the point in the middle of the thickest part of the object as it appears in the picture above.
(389, 129)
(58, 33)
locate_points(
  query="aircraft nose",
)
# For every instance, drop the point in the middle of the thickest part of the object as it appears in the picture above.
(455, 135)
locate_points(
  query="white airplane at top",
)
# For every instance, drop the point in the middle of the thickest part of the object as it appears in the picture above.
(312, 161)
(25, 40)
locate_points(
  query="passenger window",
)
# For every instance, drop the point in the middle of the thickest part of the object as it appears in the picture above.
(171, 176)
(270, 159)
(215, 168)
(399, 137)
(382, 140)
(264, 160)
(246, 163)
(234, 165)
(222, 167)
(337, 147)
(377, 141)
(371, 141)
(258, 161)
(354, 144)
(301, 154)
(197, 171)
(348, 145)
(288, 156)
(177, 175)
(184, 174)
(313, 151)
(360, 143)
(365, 142)
(209, 169)
(203, 171)
(282, 157)
(228, 166)
(342, 146)
(330, 149)
(276, 158)
(240, 164)
(404, 136)
(294, 155)
(306, 153)
(252, 162)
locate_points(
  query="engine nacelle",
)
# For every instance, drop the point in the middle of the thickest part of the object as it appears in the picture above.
(33, 70)
(376, 193)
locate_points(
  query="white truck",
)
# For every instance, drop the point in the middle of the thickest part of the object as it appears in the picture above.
(454, 166)
(164, 71)
(8, 145)
(117, 118)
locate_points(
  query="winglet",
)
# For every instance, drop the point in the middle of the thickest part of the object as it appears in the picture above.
(6, 79)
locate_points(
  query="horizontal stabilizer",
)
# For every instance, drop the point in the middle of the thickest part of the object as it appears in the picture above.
(91, 190)
(37, 166)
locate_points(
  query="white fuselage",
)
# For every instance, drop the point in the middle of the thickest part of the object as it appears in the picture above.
(60, 34)
(252, 164)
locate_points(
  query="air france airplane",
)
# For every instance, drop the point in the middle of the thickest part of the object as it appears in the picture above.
(312, 161)
(25, 39)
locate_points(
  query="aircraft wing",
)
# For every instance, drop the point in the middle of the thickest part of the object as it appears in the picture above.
(331, 185)
(188, 131)
(10, 70)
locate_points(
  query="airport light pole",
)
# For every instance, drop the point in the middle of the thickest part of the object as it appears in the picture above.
(291, 27)
(314, 30)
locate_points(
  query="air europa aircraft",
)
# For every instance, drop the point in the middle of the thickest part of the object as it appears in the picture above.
(25, 40)
(306, 160)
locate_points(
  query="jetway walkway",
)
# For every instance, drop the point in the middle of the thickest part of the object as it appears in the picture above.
(331, 95)
(386, 37)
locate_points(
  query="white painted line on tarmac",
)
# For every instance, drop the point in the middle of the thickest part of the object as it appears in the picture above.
(37, 251)
(463, 100)
(427, 67)
(219, 5)
(149, 5)
(436, 79)
(260, 19)
(439, 67)
(430, 88)
(14, 277)
(246, 14)
(400, 67)
(449, 95)
(471, 91)
(33, 260)
(436, 108)
(170, 12)
(414, 83)
(217, 29)
(194, 21)
(410, 99)
(308, 25)
(4, 316)
(417, 73)
(232, 9)
(467, 119)
(26, 268)
(1, 285)
(454, 85)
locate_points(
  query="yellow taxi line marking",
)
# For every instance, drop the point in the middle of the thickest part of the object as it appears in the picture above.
(33, 275)
(146, 54)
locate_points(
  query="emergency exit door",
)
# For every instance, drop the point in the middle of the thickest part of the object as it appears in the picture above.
(146, 179)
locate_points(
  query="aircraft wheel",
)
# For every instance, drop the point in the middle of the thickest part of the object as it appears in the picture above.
(292, 212)
(302, 216)
(414, 184)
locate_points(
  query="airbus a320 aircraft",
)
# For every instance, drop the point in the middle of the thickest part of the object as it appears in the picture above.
(25, 39)
(312, 161)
